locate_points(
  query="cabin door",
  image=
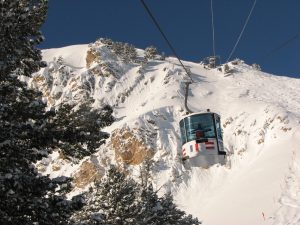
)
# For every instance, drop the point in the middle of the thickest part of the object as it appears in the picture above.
(219, 134)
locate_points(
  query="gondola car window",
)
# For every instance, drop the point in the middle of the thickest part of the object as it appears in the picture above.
(218, 127)
(182, 131)
(199, 124)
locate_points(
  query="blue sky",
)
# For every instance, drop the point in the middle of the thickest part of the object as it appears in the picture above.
(187, 24)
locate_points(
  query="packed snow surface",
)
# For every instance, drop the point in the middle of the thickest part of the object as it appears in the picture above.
(260, 114)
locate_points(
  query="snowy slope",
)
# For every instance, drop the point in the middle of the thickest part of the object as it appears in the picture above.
(74, 55)
(260, 113)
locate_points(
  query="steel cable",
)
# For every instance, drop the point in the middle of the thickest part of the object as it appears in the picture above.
(239, 38)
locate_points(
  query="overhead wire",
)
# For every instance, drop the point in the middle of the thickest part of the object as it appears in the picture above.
(174, 52)
(281, 46)
(165, 37)
(242, 31)
(213, 27)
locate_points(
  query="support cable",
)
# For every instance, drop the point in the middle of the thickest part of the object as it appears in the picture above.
(174, 52)
(213, 27)
(165, 37)
(279, 47)
(239, 38)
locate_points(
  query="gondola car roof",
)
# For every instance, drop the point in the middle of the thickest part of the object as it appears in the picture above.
(199, 113)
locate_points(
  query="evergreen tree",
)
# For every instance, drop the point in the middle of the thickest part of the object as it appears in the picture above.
(256, 66)
(150, 52)
(158, 210)
(108, 42)
(117, 48)
(226, 69)
(117, 200)
(27, 131)
(111, 201)
(22, 191)
(129, 54)
(79, 130)
(125, 51)
(19, 33)
(26, 197)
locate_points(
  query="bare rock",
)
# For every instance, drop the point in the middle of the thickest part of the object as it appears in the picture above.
(87, 173)
(91, 56)
(129, 148)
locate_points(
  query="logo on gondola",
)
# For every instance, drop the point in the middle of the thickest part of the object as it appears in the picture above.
(209, 145)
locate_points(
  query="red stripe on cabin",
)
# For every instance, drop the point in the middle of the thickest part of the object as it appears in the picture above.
(197, 147)
(210, 147)
(183, 152)
(209, 143)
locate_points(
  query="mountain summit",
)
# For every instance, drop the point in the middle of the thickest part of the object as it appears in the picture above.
(260, 115)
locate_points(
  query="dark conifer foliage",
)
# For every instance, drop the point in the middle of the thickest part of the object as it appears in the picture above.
(119, 200)
(79, 129)
(20, 22)
(150, 52)
(125, 51)
(111, 201)
(27, 131)
(161, 210)
(26, 197)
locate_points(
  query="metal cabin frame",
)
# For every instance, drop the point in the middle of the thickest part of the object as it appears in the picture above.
(217, 136)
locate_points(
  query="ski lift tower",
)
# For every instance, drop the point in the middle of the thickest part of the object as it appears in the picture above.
(211, 62)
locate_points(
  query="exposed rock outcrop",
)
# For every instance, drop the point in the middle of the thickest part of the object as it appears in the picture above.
(87, 173)
(91, 56)
(129, 148)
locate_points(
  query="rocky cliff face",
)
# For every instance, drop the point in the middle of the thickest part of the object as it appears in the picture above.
(96, 71)
(132, 148)
(63, 82)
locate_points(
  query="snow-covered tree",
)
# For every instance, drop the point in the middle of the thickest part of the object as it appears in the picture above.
(154, 209)
(119, 200)
(111, 201)
(129, 53)
(79, 129)
(125, 51)
(22, 191)
(27, 131)
(117, 48)
(256, 66)
(160, 210)
(150, 52)
(226, 69)
(145, 173)
(108, 42)
(19, 33)
(26, 196)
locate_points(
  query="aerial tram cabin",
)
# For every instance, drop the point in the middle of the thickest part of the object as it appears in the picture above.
(201, 136)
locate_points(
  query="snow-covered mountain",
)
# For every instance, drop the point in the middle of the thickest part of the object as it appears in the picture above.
(260, 113)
